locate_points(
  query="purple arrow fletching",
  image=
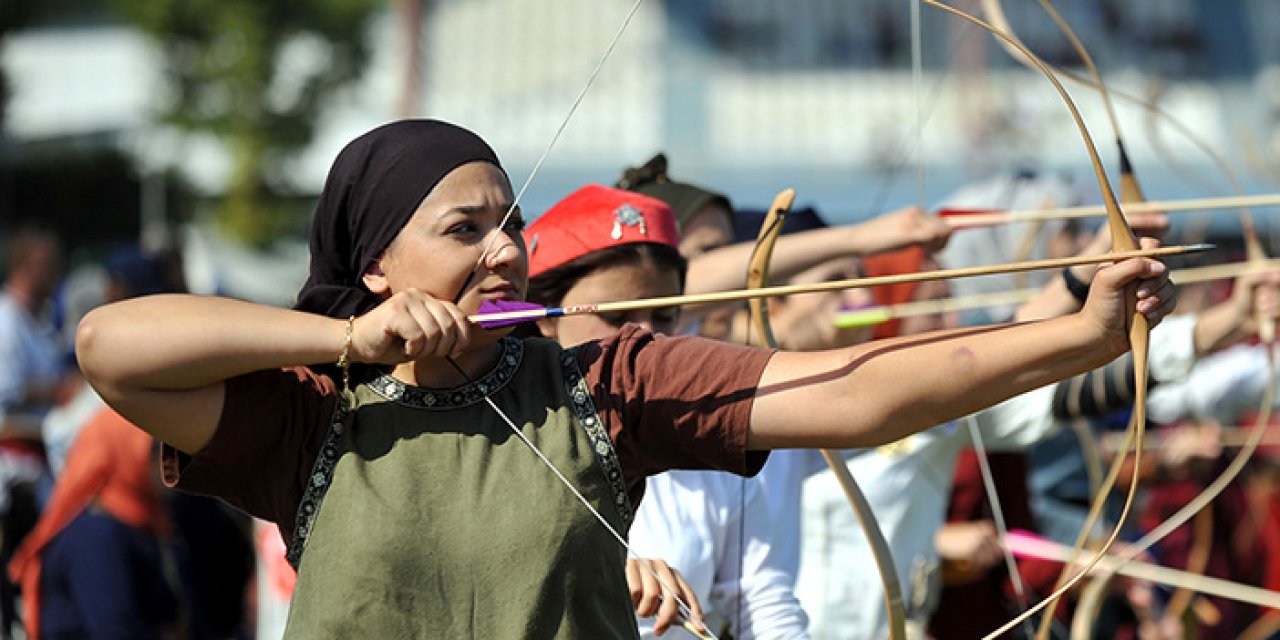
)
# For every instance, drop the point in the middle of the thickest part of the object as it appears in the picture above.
(509, 311)
(504, 306)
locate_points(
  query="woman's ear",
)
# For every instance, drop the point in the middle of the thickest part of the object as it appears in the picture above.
(374, 278)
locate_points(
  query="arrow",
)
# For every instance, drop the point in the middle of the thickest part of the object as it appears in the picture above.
(1029, 545)
(495, 314)
(866, 316)
(961, 219)
(1238, 436)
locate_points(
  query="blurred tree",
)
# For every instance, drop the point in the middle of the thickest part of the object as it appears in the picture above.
(255, 74)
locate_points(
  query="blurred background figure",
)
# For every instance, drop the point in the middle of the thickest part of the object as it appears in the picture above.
(128, 272)
(31, 375)
(114, 555)
(100, 563)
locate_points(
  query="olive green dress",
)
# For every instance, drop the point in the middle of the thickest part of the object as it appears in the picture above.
(426, 517)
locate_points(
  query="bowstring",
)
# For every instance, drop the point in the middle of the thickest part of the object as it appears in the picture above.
(997, 516)
(902, 154)
(917, 75)
(564, 123)
(515, 203)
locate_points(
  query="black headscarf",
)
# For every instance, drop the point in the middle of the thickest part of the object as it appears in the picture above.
(376, 183)
(747, 223)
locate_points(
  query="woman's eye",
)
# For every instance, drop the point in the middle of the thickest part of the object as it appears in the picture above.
(462, 227)
(516, 223)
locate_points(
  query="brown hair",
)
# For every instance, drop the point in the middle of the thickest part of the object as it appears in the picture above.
(549, 287)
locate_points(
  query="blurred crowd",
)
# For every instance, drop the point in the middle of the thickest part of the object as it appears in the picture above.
(90, 536)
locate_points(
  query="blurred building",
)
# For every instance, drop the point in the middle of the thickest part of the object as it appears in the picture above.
(749, 95)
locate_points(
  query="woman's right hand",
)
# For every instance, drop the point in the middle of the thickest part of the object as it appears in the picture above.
(649, 595)
(968, 550)
(1256, 297)
(407, 326)
(901, 228)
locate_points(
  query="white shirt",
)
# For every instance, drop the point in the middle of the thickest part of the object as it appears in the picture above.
(1222, 386)
(908, 484)
(782, 483)
(694, 521)
(63, 423)
(29, 357)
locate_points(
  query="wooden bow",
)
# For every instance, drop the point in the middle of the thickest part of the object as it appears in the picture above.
(758, 277)
(685, 612)
(1122, 238)
(1131, 192)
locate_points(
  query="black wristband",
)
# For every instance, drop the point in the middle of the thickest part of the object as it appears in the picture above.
(1079, 290)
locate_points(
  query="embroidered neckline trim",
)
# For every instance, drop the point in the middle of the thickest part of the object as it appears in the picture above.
(443, 399)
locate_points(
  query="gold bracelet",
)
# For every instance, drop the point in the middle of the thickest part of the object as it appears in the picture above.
(344, 358)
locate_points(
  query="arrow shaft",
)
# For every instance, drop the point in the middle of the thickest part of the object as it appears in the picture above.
(1049, 550)
(1097, 211)
(784, 290)
(878, 314)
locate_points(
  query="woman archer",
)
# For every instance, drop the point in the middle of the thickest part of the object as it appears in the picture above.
(409, 507)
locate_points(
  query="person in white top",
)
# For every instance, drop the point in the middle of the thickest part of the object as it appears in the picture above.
(908, 483)
(715, 529)
(712, 527)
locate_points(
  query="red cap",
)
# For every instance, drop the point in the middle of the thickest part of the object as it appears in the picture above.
(594, 218)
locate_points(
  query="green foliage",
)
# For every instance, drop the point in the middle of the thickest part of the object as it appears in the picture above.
(255, 74)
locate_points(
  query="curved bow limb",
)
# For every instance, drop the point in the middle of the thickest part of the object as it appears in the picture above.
(1197, 562)
(1122, 237)
(1092, 597)
(1267, 335)
(757, 277)
(1255, 256)
(685, 613)
(1197, 507)
(758, 266)
(1220, 483)
(1131, 192)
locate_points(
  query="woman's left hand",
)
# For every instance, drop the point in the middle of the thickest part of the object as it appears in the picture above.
(650, 597)
(1118, 290)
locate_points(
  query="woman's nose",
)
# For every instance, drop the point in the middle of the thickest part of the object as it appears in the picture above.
(504, 251)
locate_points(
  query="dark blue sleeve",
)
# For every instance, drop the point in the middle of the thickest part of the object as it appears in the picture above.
(107, 579)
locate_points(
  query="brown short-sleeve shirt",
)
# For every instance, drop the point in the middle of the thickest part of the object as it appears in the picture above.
(667, 403)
